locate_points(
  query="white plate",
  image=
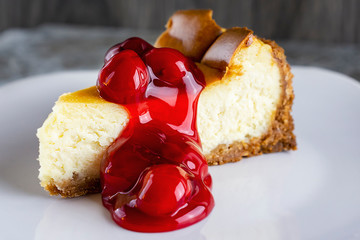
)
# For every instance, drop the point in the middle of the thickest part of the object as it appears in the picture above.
(311, 193)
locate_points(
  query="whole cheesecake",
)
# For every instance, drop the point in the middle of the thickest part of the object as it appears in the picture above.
(244, 110)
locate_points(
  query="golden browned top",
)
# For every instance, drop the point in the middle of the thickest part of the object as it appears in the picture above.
(87, 95)
(191, 32)
(196, 35)
(222, 51)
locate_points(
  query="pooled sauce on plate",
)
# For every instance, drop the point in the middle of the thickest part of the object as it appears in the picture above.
(154, 177)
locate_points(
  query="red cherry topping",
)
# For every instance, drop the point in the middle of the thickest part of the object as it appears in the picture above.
(124, 78)
(154, 177)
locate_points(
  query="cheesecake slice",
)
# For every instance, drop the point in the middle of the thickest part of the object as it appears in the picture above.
(243, 111)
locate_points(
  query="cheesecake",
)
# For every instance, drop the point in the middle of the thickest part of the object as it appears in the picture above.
(244, 110)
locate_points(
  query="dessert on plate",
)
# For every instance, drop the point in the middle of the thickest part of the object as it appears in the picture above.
(244, 110)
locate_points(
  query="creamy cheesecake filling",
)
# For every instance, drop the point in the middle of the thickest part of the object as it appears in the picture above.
(243, 104)
(75, 136)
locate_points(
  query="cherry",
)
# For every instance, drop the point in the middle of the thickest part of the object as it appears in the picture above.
(171, 66)
(164, 189)
(124, 78)
(166, 64)
(136, 44)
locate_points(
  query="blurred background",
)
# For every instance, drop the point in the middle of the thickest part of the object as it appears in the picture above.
(41, 36)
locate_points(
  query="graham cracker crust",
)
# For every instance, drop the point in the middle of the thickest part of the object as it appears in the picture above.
(75, 187)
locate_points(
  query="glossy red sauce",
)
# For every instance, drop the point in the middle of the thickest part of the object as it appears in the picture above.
(154, 177)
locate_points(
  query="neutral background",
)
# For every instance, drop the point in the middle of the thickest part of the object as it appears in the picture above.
(40, 36)
(321, 20)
